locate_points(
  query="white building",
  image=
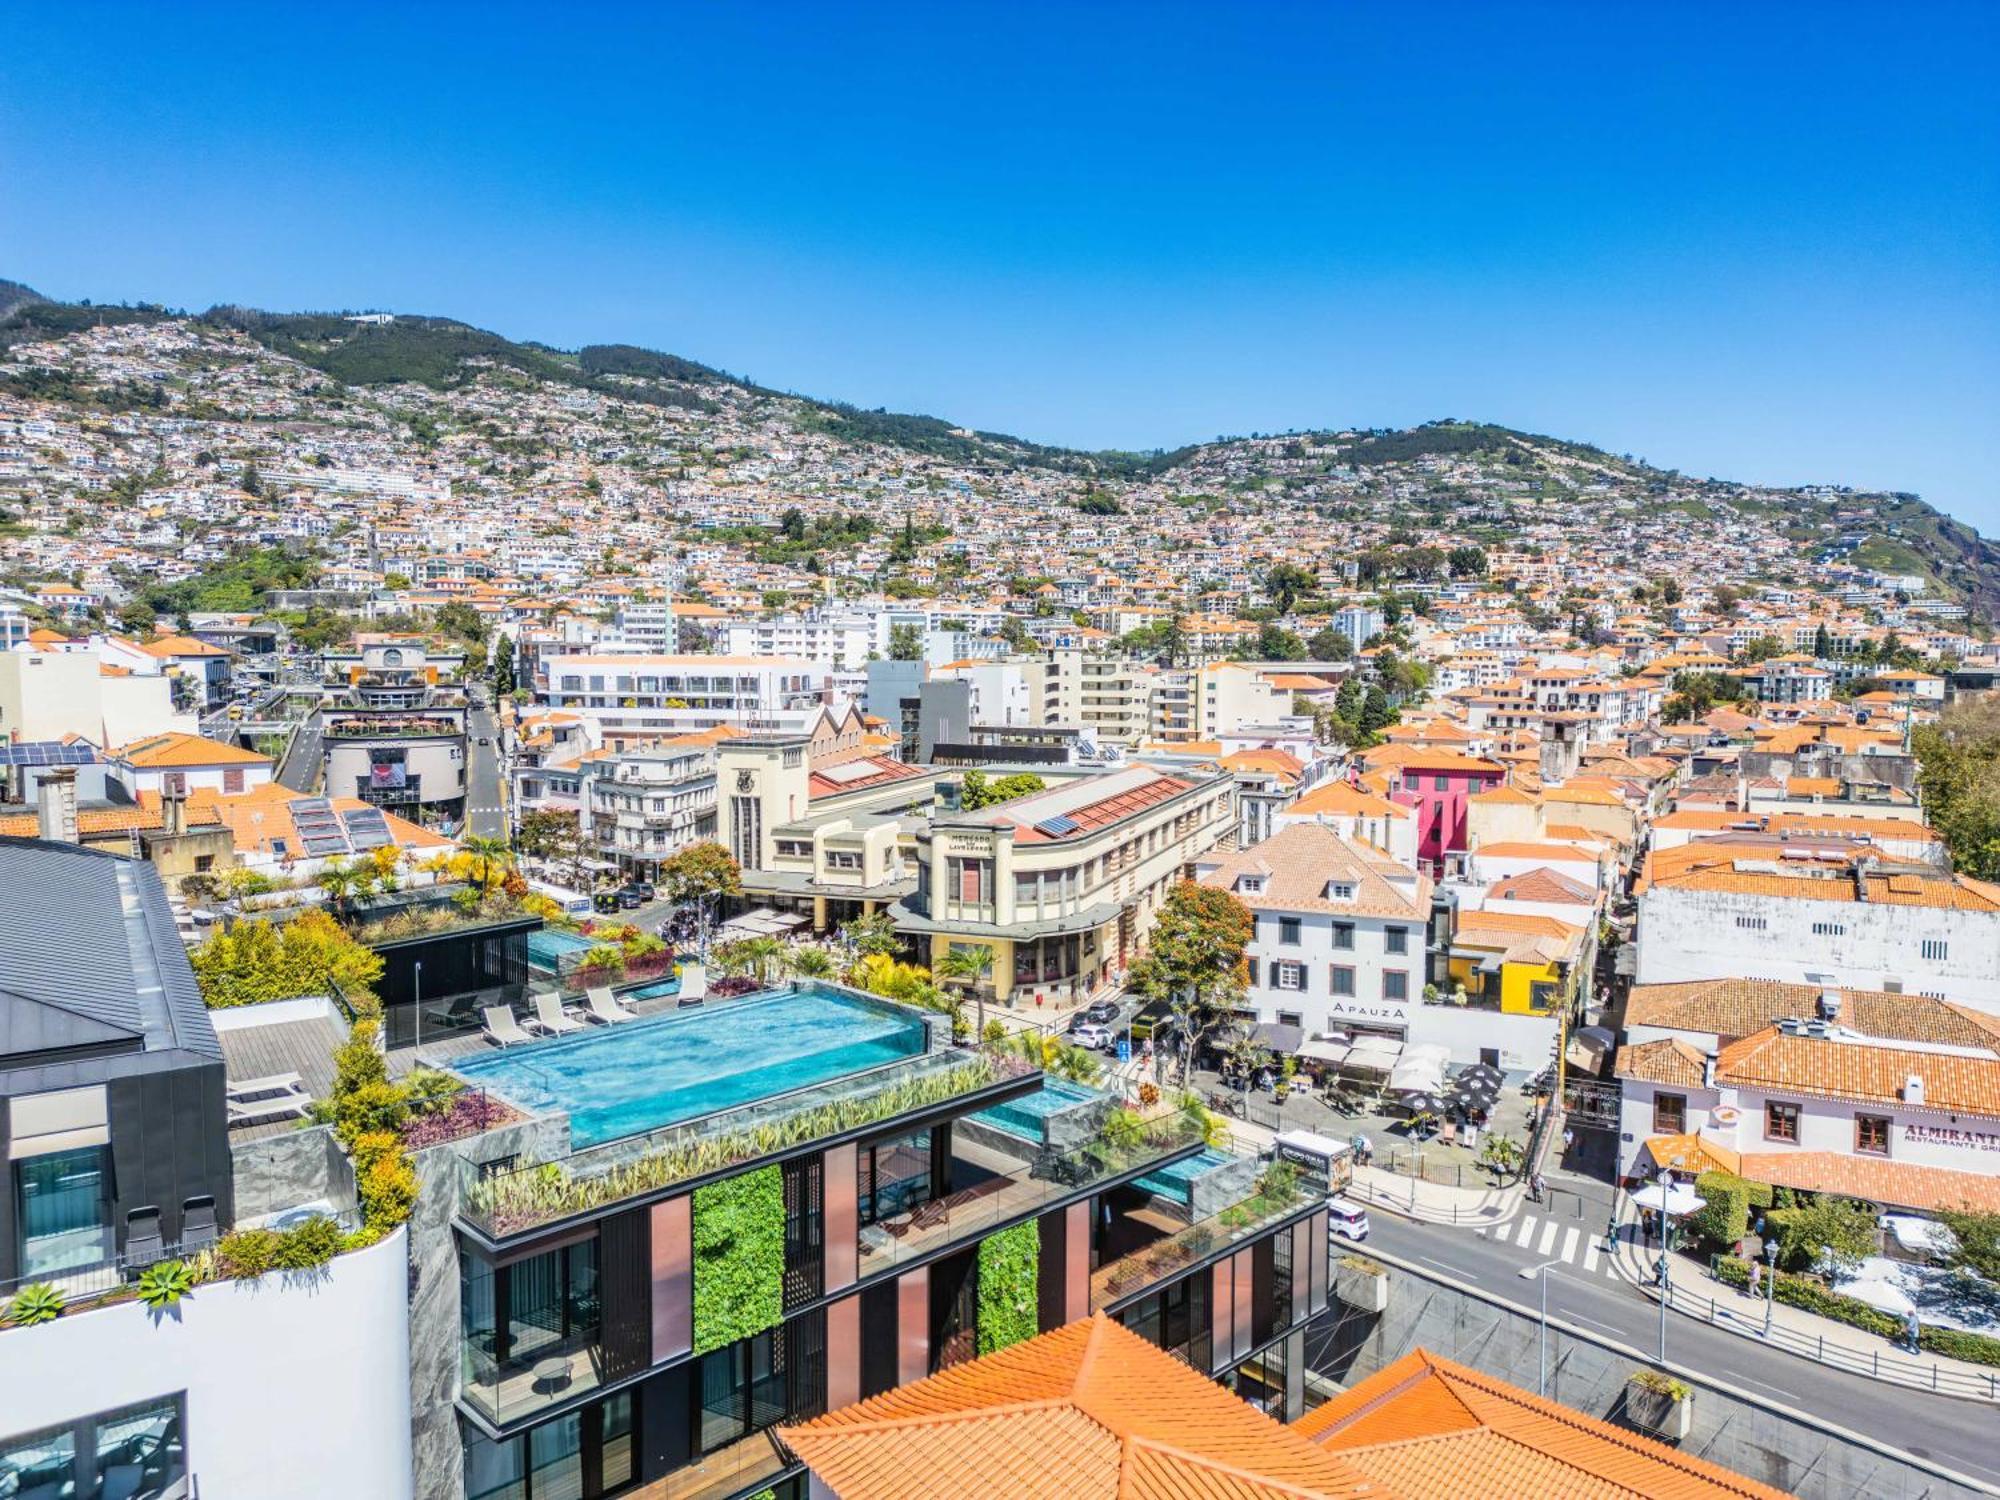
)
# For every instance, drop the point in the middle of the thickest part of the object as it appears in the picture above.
(1917, 931)
(637, 698)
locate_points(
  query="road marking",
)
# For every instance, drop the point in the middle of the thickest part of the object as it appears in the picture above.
(1774, 1390)
(1527, 1231)
(1569, 1244)
(1577, 1317)
(1440, 1265)
(1590, 1254)
(1548, 1237)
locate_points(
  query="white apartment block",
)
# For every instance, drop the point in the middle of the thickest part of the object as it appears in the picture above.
(637, 698)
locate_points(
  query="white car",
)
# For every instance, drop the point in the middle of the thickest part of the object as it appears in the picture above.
(1346, 1219)
(1096, 1038)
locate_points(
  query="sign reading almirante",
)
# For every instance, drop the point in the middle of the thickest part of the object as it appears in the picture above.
(1947, 1135)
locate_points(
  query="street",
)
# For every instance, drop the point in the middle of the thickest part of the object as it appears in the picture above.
(301, 769)
(485, 811)
(1583, 1290)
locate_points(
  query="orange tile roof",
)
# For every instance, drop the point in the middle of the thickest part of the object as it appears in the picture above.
(1427, 1428)
(1664, 1060)
(1338, 797)
(1735, 1007)
(1894, 1184)
(1088, 1412)
(1835, 1069)
(166, 752)
(1690, 1153)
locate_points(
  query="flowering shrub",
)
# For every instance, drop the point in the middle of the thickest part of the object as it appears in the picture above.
(467, 1114)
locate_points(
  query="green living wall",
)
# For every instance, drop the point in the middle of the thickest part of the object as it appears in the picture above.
(1009, 1283)
(739, 1257)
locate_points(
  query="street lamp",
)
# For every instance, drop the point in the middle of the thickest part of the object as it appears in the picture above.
(1770, 1282)
(1543, 1271)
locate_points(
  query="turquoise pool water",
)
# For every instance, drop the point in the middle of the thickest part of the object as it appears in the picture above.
(628, 1079)
(658, 989)
(547, 948)
(1023, 1117)
(1176, 1178)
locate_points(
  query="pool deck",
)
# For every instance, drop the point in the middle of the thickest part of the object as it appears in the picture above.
(446, 1051)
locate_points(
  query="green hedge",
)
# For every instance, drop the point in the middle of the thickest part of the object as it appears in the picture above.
(1725, 1217)
(739, 1257)
(1815, 1297)
(1009, 1286)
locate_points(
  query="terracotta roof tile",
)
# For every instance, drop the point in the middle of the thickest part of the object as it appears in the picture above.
(1832, 1068)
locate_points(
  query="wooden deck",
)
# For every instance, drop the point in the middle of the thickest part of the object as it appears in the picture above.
(302, 1047)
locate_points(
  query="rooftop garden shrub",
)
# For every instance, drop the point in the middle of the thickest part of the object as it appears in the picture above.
(308, 1245)
(246, 1254)
(36, 1303)
(739, 1257)
(1009, 1286)
(1662, 1385)
(257, 961)
(164, 1283)
(468, 1113)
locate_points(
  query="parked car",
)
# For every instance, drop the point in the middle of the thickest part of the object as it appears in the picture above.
(1346, 1219)
(1103, 1012)
(1096, 1038)
(643, 887)
(486, 739)
(1152, 1020)
(630, 898)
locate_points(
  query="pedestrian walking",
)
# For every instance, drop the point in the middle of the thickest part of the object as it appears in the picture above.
(1535, 1188)
(1912, 1331)
(1756, 1277)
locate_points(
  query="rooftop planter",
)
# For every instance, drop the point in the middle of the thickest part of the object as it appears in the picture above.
(1659, 1404)
(1361, 1284)
(510, 1203)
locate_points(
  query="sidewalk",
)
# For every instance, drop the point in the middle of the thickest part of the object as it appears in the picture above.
(1793, 1329)
(1434, 1202)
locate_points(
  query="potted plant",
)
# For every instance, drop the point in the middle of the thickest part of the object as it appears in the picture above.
(1361, 1283)
(1660, 1404)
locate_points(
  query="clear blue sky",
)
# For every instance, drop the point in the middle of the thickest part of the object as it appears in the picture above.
(1754, 241)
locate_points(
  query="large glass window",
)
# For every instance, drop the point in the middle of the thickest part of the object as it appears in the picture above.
(529, 1328)
(581, 1455)
(1176, 1319)
(132, 1453)
(895, 1175)
(65, 1210)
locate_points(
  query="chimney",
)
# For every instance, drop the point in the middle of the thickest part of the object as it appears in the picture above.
(1829, 1006)
(1913, 1089)
(58, 805)
(173, 811)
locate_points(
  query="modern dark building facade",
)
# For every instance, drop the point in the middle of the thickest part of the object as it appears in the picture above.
(769, 1262)
(112, 1112)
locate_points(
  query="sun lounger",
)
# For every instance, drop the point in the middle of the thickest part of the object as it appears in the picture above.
(601, 1005)
(694, 984)
(282, 1084)
(501, 1028)
(555, 1020)
(277, 1107)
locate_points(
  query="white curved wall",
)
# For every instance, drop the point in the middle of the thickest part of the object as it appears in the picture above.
(294, 1388)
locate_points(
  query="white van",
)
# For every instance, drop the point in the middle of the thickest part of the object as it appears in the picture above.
(573, 903)
(1346, 1219)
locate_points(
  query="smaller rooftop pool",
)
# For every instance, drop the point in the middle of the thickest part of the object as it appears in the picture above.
(1176, 1179)
(1023, 1117)
(548, 947)
(637, 1076)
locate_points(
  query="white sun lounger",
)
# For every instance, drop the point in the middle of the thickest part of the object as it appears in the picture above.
(602, 1005)
(555, 1020)
(502, 1028)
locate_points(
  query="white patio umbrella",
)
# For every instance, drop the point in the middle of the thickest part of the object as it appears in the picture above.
(1675, 1202)
(1885, 1295)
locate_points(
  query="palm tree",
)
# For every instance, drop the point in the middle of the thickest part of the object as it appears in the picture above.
(967, 964)
(764, 954)
(336, 878)
(491, 853)
(811, 963)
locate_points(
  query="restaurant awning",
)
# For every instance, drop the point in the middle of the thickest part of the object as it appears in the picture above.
(1377, 1054)
(1278, 1036)
(1328, 1049)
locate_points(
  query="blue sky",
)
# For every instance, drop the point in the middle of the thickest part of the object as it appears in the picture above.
(1755, 241)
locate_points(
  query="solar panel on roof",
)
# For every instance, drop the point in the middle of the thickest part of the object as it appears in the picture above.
(48, 753)
(1057, 827)
(366, 828)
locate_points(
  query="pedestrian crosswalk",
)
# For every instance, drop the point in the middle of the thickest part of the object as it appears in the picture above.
(1541, 1238)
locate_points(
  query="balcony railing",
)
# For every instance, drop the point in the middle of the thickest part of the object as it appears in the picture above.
(1129, 1275)
(513, 1202)
(1008, 1194)
(524, 1383)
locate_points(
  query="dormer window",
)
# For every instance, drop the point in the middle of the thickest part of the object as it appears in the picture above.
(1249, 885)
(1339, 890)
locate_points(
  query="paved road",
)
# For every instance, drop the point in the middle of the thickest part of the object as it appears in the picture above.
(485, 813)
(302, 766)
(1583, 1290)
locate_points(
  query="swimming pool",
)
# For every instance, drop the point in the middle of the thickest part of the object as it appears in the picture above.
(635, 1077)
(1023, 1117)
(658, 989)
(548, 947)
(1176, 1179)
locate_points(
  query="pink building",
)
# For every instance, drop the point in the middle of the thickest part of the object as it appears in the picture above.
(1434, 784)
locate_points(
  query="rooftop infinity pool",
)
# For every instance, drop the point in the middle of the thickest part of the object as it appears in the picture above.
(548, 947)
(615, 1081)
(1023, 1117)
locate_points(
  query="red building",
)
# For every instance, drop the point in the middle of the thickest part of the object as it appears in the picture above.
(1435, 784)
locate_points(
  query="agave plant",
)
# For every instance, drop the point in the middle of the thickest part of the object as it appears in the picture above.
(165, 1282)
(37, 1303)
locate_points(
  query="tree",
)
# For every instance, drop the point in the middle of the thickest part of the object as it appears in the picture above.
(1670, 591)
(492, 859)
(1348, 701)
(1958, 773)
(793, 524)
(1175, 646)
(1467, 562)
(1194, 961)
(1275, 643)
(811, 963)
(250, 481)
(1286, 583)
(1976, 1238)
(1760, 648)
(1823, 644)
(700, 871)
(1329, 644)
(503, 665)
(872, 934)
(1827, 1230)
(137, 617)
(967, 964)
(461, 622)
(1375, 715)
(977, 791)
(395, 580)
(906, 643)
